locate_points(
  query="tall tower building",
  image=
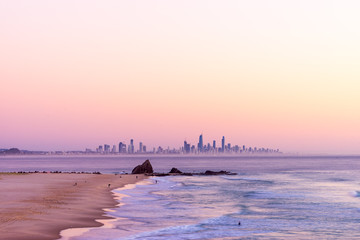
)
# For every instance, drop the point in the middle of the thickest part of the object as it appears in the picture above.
(106, 148)
(120, 147)
(200, 144)
(214, 145)
(186, 147)
(132, 146)
(223, 144)
(140, 147)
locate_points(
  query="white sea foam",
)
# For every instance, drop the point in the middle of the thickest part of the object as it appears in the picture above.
(355, 193)
(279, 205)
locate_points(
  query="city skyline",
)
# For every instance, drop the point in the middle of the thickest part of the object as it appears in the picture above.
(130, 147)
(187, 148)
(280, 73)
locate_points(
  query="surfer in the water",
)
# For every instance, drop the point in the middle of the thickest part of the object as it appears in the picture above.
(239, 223)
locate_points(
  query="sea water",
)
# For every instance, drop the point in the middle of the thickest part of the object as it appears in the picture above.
(311, 202)
(271, 197)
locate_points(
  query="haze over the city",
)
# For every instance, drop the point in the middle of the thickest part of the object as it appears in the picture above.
(281, 74)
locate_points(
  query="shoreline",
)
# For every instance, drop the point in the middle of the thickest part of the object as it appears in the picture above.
(38, 206)
(106, 219)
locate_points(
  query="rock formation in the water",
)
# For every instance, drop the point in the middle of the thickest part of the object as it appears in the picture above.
(175, 170)
(208, 172)
(143, 168)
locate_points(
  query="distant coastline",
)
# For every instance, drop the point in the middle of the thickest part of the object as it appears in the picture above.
(16, 151)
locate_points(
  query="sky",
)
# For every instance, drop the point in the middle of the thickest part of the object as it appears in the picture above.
(278, 74)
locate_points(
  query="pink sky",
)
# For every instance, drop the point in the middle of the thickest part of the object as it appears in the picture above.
(280, 74)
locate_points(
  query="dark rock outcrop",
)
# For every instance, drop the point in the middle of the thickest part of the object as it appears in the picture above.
(143, 168)
(158, 174)
(175, 170)
(208, 172)
(178, 172)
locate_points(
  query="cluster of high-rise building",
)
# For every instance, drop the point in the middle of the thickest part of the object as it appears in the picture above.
(224, 148)
(187, 148)
(121, 148)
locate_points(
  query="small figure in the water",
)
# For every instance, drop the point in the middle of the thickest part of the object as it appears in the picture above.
(109, 185)
(75, 184)
(239, 223)
(136, 176)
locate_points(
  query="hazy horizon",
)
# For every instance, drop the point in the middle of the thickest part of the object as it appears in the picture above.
(275, 74)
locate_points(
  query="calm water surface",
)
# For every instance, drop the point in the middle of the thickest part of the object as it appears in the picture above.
(272, 197)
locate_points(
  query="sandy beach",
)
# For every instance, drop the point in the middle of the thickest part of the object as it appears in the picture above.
(37, 206)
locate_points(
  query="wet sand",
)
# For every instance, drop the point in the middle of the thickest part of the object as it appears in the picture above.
(38, 206)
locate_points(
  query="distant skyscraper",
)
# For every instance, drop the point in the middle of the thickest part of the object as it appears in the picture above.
(100, 149)
(131, 146)
(214, 145)
(186, 147)
(223, 144)
(200, 144)
(140, 147)
(106, 148)
(122, 147)
(236, 148)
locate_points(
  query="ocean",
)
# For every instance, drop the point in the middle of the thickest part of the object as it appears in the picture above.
(309, 197)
